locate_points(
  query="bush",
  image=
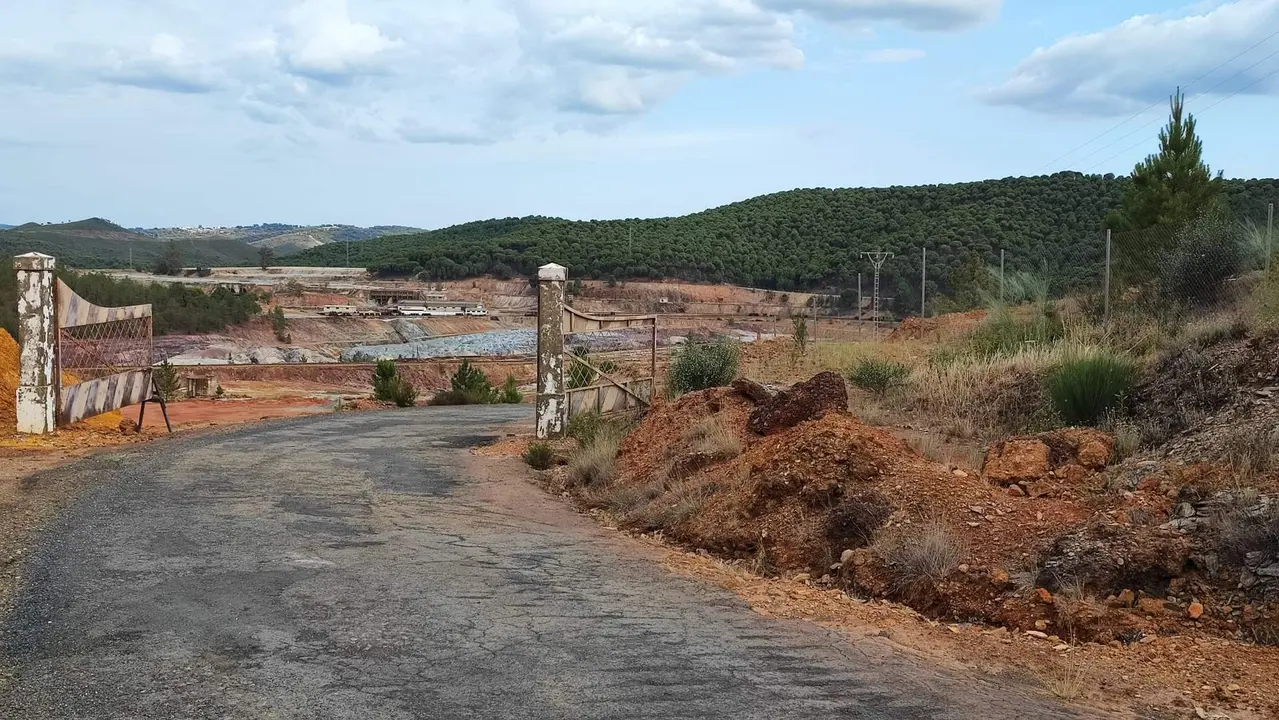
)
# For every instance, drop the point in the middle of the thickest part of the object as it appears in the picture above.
(1207, 253)
(1083, 391)
(698, 366)
(166, 380)
(468, 386)
(388, 386)
(596, 463)
(1004, 335)
(539, 456)
(584, 426)
(510, 393)
(878, 376)
(280, 325)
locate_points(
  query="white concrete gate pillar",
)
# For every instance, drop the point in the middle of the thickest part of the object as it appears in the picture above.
(37, 400)
(552, 407)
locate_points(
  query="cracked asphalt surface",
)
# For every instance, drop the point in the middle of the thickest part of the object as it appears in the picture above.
(367, 566)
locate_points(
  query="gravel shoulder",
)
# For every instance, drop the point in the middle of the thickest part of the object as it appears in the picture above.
(367, 566)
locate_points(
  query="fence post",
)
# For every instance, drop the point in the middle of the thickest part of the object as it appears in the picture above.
(923, 287)
(1106, 287)
(37, 396)
(552, 410)
(1001, 277)
(1270, 226)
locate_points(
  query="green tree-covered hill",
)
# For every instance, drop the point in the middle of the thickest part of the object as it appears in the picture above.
(801, 239)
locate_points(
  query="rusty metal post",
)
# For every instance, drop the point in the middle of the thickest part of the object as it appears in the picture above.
(552, 407)
(37, 397)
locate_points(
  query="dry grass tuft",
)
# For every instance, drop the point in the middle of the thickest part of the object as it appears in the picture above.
(929, 446)
(1252, 451)
(714, 437)
(923, 555)
(1071, 681)
(596, 462)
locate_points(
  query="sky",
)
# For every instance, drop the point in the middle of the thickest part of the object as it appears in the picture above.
(435, 112)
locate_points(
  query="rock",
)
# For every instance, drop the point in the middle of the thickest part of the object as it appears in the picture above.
(978, 509)
(960, 473)
(1093, 448)
(999, 578)
(846, 556)
(1073, 474)
(1043, 596)
(802, 577)
(1041, 625)
(1016, 491)
(1012, 461)
(1151, 606)
(752, 390)
(1037, 634)
(128, 427)
(1063, 647)
(805, 401)
(1195, 611)
(1126, 598)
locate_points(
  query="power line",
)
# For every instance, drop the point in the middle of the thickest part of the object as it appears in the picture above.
(1249, 49)
(1201, 112)
(1196, 96)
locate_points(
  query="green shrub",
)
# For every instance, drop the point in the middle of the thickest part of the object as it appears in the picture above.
(1206, 253)
(698, 366)
(584, 426)
(384, 376)
(1004, 335)
(280, 325)
(878, 376)
(403, 394)
(539, 456)
(166, 380)
(510, 393)
(1084, 390)
(468, 386)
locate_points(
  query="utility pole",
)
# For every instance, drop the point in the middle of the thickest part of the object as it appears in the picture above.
(1106, 287)
(859, 297)
(877, 259)
(923, 287)
(348, 252)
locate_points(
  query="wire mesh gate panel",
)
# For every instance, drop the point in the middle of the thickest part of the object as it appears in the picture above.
(610, 381)
(103, 356)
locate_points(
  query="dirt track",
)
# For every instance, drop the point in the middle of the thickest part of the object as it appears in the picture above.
(366, 566)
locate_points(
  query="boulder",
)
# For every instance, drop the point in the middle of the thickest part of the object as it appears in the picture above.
(752, 390)
(1016, 460)
(805, 401)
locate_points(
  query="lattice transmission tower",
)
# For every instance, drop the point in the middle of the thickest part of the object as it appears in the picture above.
(877, 259)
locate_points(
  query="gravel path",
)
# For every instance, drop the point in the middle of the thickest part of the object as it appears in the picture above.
(366, 566)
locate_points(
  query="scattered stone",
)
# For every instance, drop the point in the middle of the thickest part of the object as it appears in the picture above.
(999, 578)
(128, 427)
(977, 509)
(802, 577)
(1195, 611)
(1041, 624)
(1061, 648)
(752, 390)
(1151, 606)
(1126, 598)
(1016, 491)
(845, 556)
(810, 399)
(1037, 634)
(1073, 474)
(960, 473)
(1043, 596)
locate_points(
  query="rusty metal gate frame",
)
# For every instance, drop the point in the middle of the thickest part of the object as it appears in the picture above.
(103, 358)
(607, 393)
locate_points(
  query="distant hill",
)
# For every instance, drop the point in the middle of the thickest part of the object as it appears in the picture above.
(98, 243)
(801, 239)
(4, 227)
(282, 239)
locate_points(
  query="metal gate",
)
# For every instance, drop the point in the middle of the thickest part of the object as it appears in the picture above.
(612, 380)
(103, 356)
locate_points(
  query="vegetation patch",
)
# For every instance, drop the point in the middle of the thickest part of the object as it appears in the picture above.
(698, 366)
(1084, 390)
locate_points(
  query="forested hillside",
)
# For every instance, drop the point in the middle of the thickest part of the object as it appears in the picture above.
(801, 239)
(97, 243)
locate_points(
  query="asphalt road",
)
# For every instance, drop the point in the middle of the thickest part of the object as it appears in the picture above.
(365, 566)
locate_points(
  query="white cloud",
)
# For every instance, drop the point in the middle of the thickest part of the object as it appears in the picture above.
(1142, 60)
(445, 71)
(916, 14)
(894, 55)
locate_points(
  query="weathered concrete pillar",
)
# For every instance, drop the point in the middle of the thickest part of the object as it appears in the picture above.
(37, 399)
(552, 407)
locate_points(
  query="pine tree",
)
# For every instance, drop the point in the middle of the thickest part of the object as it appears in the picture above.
(1173, 186)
